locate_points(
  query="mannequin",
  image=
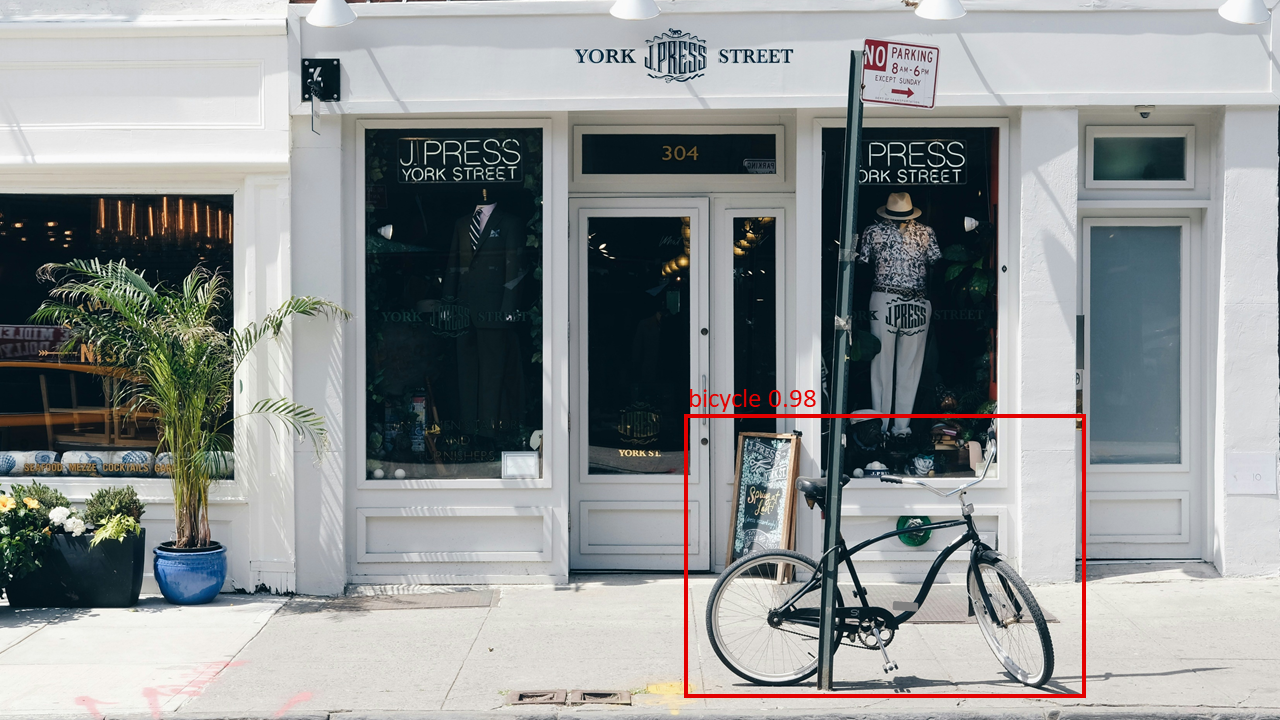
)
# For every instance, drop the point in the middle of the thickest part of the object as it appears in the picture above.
(483, 275)
(901, 251)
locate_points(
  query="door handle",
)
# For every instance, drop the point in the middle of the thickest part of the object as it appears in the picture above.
(704, 394)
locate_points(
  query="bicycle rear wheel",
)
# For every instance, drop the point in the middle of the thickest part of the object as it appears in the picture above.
(754, 647)
(1018, 635)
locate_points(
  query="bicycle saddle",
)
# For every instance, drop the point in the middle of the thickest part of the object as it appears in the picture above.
(816, 488)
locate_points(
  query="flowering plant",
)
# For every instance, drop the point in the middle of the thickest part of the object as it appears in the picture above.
(24, 534)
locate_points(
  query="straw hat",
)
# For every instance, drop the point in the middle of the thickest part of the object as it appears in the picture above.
(898, 208)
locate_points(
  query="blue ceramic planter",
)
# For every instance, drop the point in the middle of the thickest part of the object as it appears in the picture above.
(190, 577)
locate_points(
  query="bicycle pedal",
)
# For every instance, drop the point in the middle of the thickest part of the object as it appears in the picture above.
(889, 666)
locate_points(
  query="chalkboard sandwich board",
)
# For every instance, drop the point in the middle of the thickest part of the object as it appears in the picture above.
(763, 493)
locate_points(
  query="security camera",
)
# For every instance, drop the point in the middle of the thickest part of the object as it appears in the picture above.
(1144, 110)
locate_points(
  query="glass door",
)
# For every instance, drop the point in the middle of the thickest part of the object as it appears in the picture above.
(1145, 500)
(639, 338)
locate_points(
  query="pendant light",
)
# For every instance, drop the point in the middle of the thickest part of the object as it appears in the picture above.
(940, 9)
(635, 9)
(1245, 12)
(330, 14)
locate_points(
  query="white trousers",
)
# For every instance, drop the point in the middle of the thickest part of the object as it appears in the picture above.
(895, 319)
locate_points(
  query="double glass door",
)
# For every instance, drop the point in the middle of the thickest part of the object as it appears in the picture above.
(672, 297)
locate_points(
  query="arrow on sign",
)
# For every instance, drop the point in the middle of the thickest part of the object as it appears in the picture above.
(906, 92)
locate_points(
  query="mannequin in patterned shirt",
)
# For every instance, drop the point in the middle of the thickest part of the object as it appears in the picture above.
(900, 250)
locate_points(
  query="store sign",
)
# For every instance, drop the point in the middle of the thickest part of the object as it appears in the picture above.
(678, 56)
(914, 162)
(899, 73)
(460, 160)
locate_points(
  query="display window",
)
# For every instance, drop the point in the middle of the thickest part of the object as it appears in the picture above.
(924, 326)
(453, 303)
(61, 411)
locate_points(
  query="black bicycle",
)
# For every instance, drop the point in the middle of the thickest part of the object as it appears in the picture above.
(762, 616)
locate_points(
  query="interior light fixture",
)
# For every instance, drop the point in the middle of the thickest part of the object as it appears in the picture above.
(940, 9)
(635, 9)
(1245, 12)
(330, 14)
(385, 231)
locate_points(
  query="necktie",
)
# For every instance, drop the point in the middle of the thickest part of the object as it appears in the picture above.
(475, 229)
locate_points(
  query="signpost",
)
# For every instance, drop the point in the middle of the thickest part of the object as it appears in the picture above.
(839, 367)
(892, 74)
(896, 73)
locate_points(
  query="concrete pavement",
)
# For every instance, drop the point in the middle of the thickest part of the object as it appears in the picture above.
(1162, 640)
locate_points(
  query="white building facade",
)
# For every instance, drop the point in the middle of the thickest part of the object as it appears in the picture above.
(653, 203)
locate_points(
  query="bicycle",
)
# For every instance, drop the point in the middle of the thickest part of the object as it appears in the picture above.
(765, 628)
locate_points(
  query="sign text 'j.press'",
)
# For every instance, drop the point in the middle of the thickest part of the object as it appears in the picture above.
(459, 160)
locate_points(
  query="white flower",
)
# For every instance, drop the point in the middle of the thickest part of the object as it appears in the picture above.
(4, 529)
(59, 515)
(74, 525)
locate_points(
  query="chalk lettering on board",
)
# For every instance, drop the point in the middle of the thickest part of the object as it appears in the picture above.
(763, 493)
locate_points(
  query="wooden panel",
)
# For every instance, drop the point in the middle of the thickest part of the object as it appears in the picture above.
(453, 534)
(1139, 517)
(616, 528)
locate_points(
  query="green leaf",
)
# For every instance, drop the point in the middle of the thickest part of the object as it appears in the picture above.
(980, 283)
(956, 252)
(954, 271)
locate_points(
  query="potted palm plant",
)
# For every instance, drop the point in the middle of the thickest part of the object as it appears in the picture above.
(180, 360)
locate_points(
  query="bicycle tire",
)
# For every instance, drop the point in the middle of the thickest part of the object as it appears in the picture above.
(1024, 648)
(783, 656)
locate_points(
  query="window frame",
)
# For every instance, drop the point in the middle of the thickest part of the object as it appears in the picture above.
(1187, 132)
(1184, 337)
(550, 276)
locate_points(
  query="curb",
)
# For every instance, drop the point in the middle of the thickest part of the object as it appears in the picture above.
(1081, 713)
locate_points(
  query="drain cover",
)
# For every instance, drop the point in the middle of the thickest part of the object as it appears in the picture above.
(536, 697)
(599, 697)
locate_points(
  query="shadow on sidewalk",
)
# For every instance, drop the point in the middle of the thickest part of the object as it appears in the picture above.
(1182, 671)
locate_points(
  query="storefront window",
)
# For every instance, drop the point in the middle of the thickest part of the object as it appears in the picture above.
(61, 413)
(453, 303)
(924, 298)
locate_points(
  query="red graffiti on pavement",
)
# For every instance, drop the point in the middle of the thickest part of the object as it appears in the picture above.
(299, 698)
(204, 674)
(91, 705)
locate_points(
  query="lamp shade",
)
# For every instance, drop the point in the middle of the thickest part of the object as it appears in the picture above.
(1245, 12)
(635, 9)
(940, 9)
(330, 14)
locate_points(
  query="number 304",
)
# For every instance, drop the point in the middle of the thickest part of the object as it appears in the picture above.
(679, 153)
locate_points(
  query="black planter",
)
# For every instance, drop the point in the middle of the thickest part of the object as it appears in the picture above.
(76, 575)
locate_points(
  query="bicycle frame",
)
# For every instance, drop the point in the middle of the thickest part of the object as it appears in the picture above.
(850, 618)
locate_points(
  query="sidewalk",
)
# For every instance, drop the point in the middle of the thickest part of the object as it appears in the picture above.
(1160, 643)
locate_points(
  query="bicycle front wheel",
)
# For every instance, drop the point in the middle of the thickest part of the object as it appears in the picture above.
(1018, 634)
(756, 645)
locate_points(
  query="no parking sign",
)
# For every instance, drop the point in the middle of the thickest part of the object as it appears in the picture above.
(896, 73)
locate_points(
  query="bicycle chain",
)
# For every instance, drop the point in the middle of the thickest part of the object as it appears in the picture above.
(844, 639)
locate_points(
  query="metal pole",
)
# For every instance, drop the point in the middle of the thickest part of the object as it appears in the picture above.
(840, 349)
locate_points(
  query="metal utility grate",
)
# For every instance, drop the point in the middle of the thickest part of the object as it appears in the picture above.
(599, 697)
(536, 697)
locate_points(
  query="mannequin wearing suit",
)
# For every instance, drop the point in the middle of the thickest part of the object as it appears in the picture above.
(484, 274)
